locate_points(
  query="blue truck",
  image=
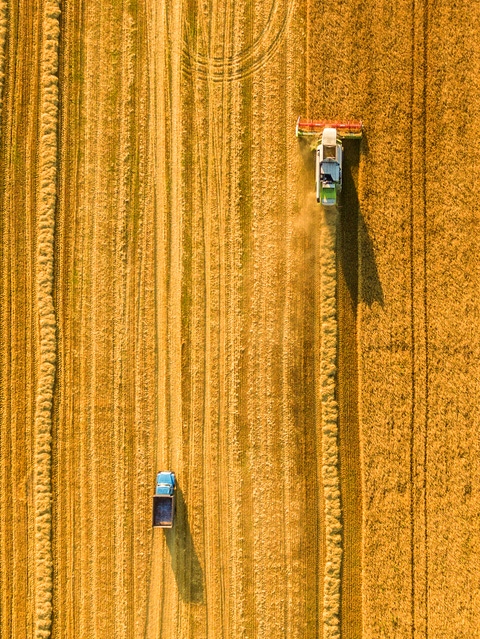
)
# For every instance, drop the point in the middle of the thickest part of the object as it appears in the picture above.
(164, 500)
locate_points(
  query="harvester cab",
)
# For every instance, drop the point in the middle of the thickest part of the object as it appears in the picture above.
(326, 140)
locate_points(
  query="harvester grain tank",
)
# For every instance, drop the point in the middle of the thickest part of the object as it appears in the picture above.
(326, 140)
(164, 500)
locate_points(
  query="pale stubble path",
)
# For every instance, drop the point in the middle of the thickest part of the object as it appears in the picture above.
(234, 246)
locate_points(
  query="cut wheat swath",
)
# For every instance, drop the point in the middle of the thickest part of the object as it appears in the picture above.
(46, 318)
(330, 474)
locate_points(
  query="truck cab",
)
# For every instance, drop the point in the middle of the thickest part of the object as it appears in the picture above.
(329, 168)
(164, 500)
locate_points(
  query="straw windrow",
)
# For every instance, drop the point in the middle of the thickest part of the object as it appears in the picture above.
(330, 474)
(46, 317)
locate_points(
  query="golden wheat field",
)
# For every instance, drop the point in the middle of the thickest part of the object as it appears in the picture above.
(172, 296)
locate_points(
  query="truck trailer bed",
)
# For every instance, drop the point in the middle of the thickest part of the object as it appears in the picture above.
(163, 511)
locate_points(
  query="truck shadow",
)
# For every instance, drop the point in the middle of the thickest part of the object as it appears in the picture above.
(185, 563)
(355, 248)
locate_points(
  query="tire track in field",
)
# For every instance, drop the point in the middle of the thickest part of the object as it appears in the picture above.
(200, 393)
(159, 45)
(68, 490)
(299, 422)
(105, 295)
(244, 623)
(19, 118)
(267, 245)
(269, 264)
(246, 61)
(123, 351)
(196, 340)
(224, 287)
(219, 587)
(159, 147)
(97, 385)
(177, 612)
(140, 318)
(236, 154)
(111, 277)
(419, 325)
(206, 341)
(261, 391)
(165, 611)
(216, 496)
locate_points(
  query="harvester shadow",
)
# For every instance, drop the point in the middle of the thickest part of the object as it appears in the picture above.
(355, 247)
(185, 563)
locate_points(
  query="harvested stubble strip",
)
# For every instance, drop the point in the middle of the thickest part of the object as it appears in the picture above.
(45, 215)
(330, 471)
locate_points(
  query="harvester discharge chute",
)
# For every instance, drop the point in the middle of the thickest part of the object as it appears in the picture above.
(326, 137)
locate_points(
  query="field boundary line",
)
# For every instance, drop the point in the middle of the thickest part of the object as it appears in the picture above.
(330, 455)
(47, 178)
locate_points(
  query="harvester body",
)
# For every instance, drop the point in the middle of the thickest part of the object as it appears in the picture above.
(326, 139)
(328, 168)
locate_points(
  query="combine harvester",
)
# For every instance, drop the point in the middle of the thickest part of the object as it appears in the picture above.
(326, 140)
